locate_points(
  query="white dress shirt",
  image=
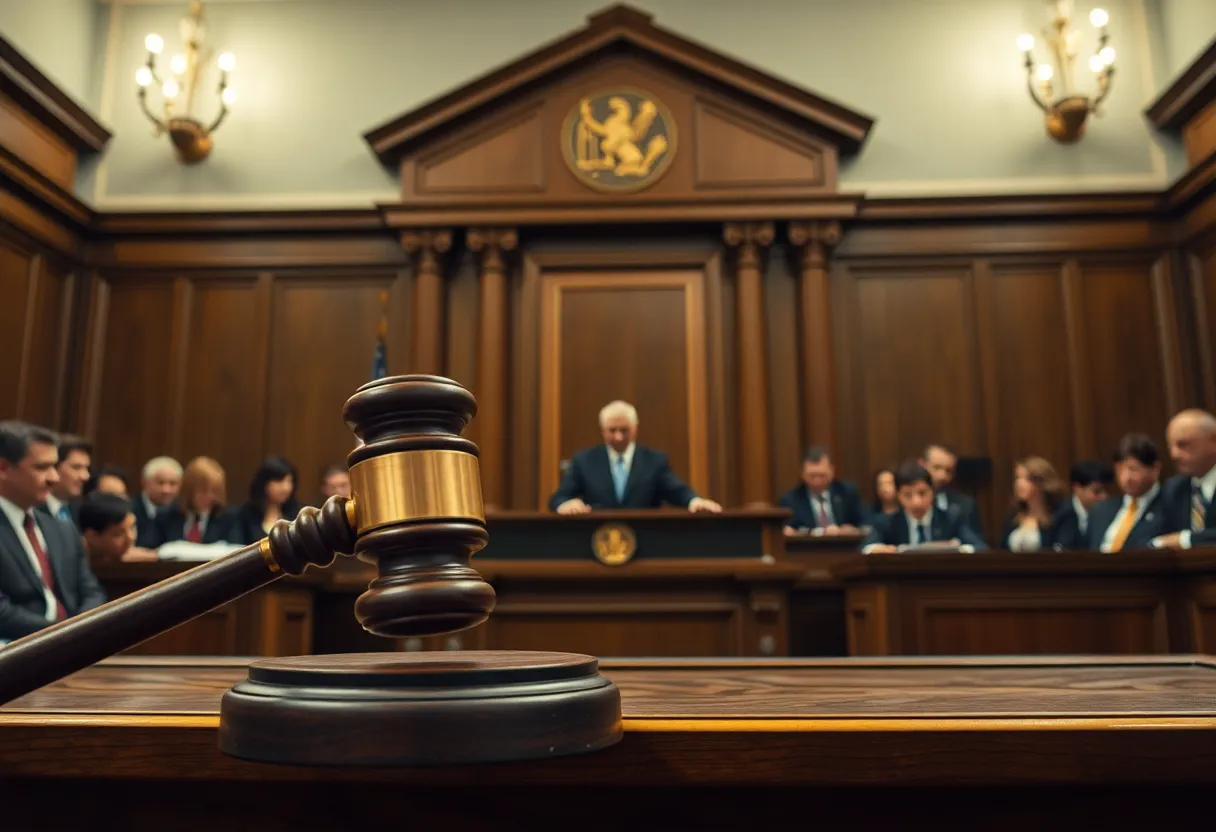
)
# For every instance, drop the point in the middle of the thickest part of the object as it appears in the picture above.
(926, 522)
(16, 517)
(825, 500)
(1026, 538)
(1082, 515)
(614, 456)
(1207, 486)
(150, 507)
(1142, 504)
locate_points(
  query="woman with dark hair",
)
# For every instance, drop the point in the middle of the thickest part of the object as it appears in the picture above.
(272, 497)
(886, 501)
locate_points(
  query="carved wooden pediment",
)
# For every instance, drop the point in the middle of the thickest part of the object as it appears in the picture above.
(621, 121)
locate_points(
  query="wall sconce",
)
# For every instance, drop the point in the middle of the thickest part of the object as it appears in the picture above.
(1066, 114)
(190, 137)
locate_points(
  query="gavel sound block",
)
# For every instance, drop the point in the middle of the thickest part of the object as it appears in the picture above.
(416, 513)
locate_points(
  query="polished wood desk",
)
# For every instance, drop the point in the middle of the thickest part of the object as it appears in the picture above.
(1002, 603)
(871, 744)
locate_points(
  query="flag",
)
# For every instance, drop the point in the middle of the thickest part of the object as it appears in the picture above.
(380, 355)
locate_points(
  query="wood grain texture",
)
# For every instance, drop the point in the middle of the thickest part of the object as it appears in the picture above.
(752, 722)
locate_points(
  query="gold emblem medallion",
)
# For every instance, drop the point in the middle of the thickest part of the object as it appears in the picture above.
(614, 544)
(620, 140)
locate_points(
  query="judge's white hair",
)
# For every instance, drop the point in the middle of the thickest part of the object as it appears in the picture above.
(619, 408)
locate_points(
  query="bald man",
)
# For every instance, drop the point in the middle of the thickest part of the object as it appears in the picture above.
(621, 473)
(1190, 510)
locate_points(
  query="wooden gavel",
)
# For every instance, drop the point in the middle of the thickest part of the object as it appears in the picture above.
(416, 513)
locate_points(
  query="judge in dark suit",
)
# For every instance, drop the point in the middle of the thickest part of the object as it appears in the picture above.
(621, 473)
(821, 501)
(1091, 482)
(44, 574)
(941, 463)
(919, 521)
(1190, 497)
(1134, 520)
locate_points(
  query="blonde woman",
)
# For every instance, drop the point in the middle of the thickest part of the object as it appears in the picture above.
(1037, 492)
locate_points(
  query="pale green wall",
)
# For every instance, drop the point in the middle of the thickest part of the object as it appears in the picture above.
(942, 78)
(61, 38)
(1187, 27)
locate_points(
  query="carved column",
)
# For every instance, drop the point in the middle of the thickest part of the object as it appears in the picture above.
(427, 248)
(815, 240)
(754, 434)
(492, 351)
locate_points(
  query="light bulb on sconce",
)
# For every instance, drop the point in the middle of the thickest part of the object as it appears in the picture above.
(192, 140)
(1066, 114)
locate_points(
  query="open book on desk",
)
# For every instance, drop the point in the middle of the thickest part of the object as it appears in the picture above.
(184, 550)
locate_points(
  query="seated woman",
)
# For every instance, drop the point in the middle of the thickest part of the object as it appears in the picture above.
(886, 501)
(1037, 493)
(272, 497)
(199, 514)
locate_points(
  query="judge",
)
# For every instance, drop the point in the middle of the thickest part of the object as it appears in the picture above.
(621, 473)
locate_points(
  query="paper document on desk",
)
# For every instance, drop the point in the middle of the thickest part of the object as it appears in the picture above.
(184, 550)
(938, 548)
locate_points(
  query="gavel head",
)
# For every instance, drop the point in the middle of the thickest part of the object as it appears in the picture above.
(416, 506)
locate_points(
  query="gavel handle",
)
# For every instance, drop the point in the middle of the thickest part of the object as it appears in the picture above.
(78, 642)
(75, 643)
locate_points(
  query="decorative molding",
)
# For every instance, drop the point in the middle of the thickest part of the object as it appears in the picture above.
(619, 24)
(239, 222)
(1196, 185)
(21, 80)
(1193, 90)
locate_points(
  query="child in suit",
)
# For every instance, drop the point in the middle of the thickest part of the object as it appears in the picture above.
(916, 522)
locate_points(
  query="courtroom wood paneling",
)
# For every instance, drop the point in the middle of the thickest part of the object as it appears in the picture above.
(35, 334)
(223, 382)
(907, 360)
(131, 384)
(320, 343)
(35, 143)
(1025, 373)
(1126, 365)
(785, 401)
(628, 333)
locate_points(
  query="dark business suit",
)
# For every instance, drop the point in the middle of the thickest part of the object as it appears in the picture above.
(171, 525)
(963, 508)
(892, 529)
(1176, 503)
(651, 481)
(1065, 530)
(145, 524)
(1152, 523)
(847, 507)
(22, 603)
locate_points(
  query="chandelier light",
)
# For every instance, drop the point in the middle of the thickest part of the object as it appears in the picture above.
(191, 138)
(1052, 84)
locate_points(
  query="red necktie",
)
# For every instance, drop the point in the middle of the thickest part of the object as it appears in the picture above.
(195, 533)
(48, 576)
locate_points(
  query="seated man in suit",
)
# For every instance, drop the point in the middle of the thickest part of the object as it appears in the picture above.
(1135, 519)
(1091, 484)
(1190, 497)
(107, 526)
(44, 575)
(941, 463)
(821, 501)
(918, 521)
(160, 481)
(75, 460)
(622, 474)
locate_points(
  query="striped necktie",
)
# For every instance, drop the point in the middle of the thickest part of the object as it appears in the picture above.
(1199, 507)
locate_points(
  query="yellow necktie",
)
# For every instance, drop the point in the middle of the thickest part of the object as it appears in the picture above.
(1125, 527)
